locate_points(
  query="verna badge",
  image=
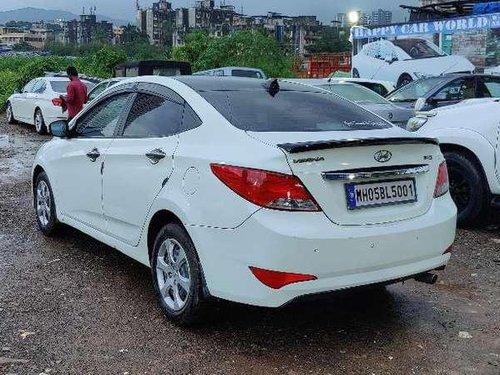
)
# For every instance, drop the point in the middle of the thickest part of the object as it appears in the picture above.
(383, 156)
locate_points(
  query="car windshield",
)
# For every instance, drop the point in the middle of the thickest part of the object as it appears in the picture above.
(61, 86)
(291, 111)
(355, 93)
(417, 48)
(415, 90)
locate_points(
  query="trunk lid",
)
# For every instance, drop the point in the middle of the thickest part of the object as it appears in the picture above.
(328, 162)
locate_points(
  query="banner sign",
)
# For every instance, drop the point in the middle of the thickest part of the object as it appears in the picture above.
(447, 26)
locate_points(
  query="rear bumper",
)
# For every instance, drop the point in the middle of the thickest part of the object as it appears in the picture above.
(308, 243)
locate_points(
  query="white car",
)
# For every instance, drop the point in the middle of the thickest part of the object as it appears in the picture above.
(250, 191)
(38, 103)
(406, 59)
(233, 71)
(468, 133)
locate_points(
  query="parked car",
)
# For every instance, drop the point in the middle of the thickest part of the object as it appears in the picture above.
(38, 103)
(380, 87)
(250, 191)
(103, 85)
(468, 133)
(375, 103)
(233, 71)
(406, 59)
(153, 68)
(446, 90)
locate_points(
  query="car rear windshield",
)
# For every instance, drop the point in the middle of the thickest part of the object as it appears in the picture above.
(61, 86)
(291, 111)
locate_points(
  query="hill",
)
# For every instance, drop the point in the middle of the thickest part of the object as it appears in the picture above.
(30, 14)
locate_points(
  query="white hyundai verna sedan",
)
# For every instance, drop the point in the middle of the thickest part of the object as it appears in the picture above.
(253, 191)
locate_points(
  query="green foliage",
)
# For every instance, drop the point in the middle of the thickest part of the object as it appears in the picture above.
(331, 40)
(248, 48)
(9, 81)
(23, 46)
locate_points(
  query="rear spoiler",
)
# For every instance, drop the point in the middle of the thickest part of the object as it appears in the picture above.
(295, 148)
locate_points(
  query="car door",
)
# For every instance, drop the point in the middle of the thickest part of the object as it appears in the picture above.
(139, 162)
(19, 103)
(78, 169)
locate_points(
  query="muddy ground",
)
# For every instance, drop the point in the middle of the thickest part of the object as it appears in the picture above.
(71, 305)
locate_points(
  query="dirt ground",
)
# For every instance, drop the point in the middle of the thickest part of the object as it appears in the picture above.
(71, 305)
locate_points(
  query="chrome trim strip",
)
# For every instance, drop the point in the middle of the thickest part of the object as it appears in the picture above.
(367, 175)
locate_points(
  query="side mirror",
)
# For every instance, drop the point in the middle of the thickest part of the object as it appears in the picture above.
(420, 104)
(59, 129)
(389, 59)
(16, 91)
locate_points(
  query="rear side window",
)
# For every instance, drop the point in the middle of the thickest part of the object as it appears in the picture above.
(291, 111)
(152, 116)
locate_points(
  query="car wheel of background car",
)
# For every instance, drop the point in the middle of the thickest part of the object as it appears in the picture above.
(45, 207)
(177, 276)
(40, 122)
(355, 73)
(467, 188)
(9, 114)
(404, 80)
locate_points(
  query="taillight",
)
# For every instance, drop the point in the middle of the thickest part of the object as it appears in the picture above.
(57, 102)
(277, 280)
(266, 189)
(442, 182)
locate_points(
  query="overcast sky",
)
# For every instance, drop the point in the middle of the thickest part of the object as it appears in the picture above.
(125, 9)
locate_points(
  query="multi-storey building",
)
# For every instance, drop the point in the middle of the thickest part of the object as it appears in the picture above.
(37, 38)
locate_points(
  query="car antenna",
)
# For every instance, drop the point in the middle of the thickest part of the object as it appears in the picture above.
(273, 87)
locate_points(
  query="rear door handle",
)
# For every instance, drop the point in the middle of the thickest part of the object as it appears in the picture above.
(93, 155)
(156, 155)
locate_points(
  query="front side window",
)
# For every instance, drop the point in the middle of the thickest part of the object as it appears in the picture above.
(418, 48)
(152, 116)
(29, 86)
(101, 120)
(291, 111)
(459, 89)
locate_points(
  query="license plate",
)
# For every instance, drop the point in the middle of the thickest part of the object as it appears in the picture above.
(381, 193)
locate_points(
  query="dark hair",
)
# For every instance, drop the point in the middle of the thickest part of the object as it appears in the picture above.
(71, 71)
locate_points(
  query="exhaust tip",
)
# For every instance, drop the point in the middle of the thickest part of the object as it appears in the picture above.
(427, 278)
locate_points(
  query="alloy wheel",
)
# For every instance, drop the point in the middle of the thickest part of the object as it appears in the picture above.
(43, 203)
(38, 121)
(460, 189)
(173, 274)
(8, 113)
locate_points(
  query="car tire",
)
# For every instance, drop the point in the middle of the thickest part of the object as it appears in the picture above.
(177, 276)
(40, 122)
(404, 80)
(44, 205)
(468, 189)
(9, 114)
(355, 73)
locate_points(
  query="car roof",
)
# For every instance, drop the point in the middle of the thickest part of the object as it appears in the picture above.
(207, 83)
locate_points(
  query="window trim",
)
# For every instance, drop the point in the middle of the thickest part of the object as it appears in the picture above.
(121, 119)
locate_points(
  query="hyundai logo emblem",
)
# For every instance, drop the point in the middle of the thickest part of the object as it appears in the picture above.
(383, 156)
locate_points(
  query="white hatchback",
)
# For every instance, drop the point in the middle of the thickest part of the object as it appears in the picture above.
(38, 103)
(257, 192)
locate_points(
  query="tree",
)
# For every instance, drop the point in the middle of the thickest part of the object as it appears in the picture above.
(23, 47)
(331, 39)
(247, 48)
